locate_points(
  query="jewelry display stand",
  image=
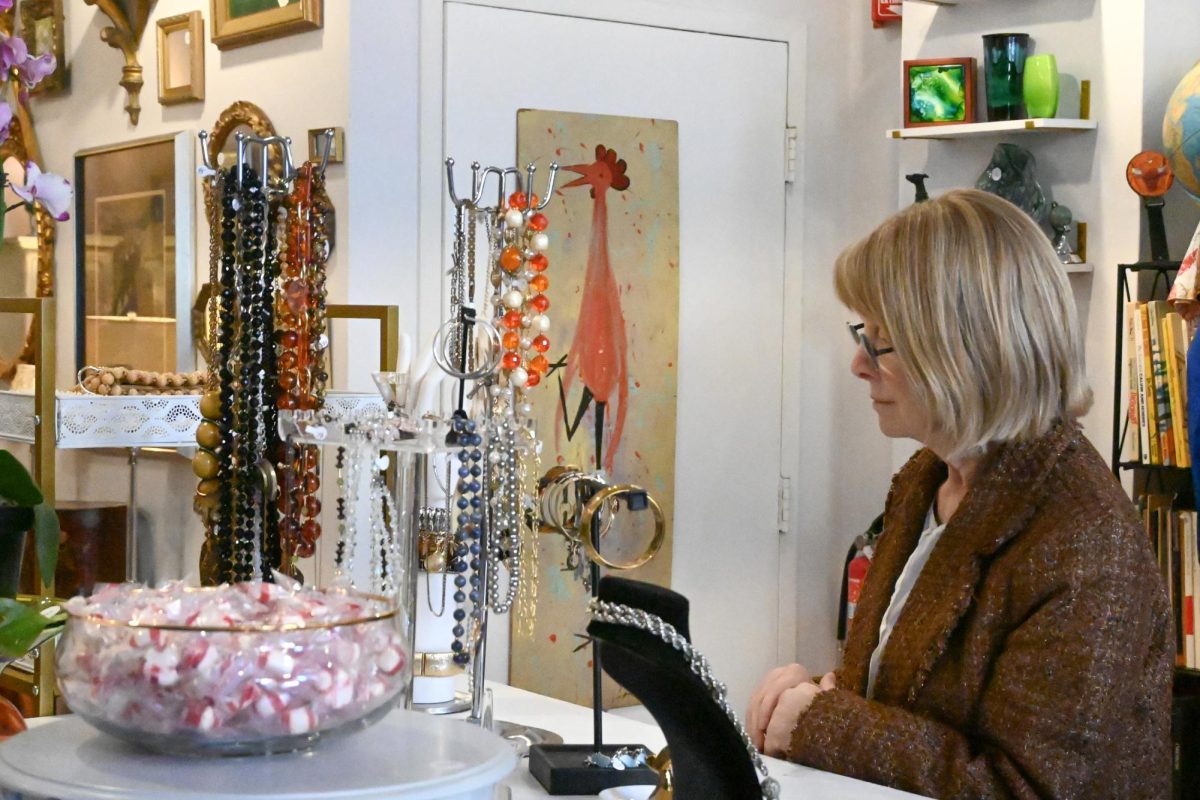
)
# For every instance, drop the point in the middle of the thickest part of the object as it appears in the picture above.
(405, 755)
(710, 751)
(588, 769)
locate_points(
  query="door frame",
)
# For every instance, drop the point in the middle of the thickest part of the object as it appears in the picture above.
(432, 207)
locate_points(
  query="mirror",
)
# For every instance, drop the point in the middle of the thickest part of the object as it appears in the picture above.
(134, 254)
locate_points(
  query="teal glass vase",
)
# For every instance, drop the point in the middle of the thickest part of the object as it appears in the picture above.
(1003, 74)
(1041, 86)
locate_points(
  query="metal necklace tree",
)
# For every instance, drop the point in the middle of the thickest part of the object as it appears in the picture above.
(493, 344)
(269, 245)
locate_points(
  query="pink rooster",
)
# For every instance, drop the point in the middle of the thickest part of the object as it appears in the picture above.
(598, 353)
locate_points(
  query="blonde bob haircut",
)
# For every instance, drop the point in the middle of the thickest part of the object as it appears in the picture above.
(970, 293)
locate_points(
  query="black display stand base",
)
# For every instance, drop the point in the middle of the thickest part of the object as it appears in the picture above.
(563, 769)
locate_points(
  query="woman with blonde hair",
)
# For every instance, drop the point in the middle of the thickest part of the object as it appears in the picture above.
(1013, 637)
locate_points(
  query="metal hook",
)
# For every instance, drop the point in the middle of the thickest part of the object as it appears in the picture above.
(450, 184)
(327, 151)
(483, 183)
(241, 155)
(504, 184)
(204, 152)
(549, 185)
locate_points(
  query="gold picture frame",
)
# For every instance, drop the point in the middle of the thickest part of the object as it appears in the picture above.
(316, 145)
(42, 29)
(181, 58)
(237, 23)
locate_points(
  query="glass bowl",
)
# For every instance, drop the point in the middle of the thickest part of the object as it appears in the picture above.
(232, 688)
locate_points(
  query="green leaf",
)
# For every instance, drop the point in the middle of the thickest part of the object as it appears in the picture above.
(16, 484)
(20, 627)
(45, 537)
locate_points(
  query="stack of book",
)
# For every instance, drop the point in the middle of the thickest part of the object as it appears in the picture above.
(1173, 535)
(1156, 359)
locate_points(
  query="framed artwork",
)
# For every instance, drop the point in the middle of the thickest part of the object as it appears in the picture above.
(615, 258)
(237, 23)
(42, 29)
(939, 92)
(134, 257)
(181, 58)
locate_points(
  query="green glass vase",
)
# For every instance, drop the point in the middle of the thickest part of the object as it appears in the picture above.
(1003, 65)
(1041, 86)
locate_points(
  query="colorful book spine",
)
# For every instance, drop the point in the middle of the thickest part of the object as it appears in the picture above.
(1134, 448)
(1176, 361)
(1146, 387)
(1155, 310)
(1181, 339)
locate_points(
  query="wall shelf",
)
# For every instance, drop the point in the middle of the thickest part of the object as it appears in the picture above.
(1078, 269)
(971, 129)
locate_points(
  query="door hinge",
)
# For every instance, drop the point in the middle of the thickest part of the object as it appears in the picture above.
(790, 137)
(784, 517)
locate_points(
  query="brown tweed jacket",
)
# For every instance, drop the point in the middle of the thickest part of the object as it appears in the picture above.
(1034, 656)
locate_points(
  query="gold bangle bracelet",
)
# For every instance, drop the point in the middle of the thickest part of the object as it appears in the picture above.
(435, 665)
(593, 506)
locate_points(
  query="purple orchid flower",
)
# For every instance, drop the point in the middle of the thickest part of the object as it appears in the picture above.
(5, 5)
(52, 191)
(13, 52)
(6, 117)
(33, 70)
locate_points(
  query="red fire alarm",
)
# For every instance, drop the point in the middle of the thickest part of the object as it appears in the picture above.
(885, 11)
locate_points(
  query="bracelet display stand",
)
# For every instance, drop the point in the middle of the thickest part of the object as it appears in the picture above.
(405, 755)
(708, 756)
(565, 768)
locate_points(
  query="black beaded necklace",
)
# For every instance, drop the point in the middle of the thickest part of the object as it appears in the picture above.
(226, 355)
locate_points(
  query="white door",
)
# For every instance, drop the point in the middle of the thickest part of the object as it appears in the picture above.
(729, 96)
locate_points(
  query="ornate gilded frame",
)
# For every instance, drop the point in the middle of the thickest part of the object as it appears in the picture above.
(23, 147)
(33, 11)
(229, 32)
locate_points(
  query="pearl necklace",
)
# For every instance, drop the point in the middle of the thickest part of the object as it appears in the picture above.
(618, 614)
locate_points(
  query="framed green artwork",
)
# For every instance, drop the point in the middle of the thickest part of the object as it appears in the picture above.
(236, 23)
(939, 92)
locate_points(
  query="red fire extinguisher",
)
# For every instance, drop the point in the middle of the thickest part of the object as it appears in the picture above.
(856, 573)
(885, 11)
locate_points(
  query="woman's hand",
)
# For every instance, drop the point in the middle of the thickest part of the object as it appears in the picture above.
(790, 707)
(766, 697)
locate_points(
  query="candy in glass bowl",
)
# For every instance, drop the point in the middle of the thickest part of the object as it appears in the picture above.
(235, 669)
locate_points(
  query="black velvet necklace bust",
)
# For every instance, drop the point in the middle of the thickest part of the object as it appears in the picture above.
(708, 757)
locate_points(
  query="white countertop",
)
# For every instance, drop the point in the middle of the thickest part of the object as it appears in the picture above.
(574, 724)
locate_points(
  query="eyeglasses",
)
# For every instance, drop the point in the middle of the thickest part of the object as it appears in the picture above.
(861, 339)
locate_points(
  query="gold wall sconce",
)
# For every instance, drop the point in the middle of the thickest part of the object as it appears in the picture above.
(129, 19)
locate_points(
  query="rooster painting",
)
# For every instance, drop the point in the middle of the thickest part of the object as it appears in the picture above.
(610, 397)
(598, 354)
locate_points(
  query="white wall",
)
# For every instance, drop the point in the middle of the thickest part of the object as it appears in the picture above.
(361, 71)
(300, 82)
(846, 186)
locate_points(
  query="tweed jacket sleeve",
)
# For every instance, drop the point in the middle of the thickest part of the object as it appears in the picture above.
(1034, 656)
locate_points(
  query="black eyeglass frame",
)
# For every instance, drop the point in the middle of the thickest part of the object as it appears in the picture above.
(861, 340)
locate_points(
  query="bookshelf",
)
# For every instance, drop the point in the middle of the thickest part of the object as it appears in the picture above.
(1148, 478)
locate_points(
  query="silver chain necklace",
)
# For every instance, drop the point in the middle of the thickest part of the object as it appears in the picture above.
(617, 614)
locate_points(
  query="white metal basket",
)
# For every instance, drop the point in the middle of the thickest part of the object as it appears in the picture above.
(92, 421)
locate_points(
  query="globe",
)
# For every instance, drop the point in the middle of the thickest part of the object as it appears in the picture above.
(1181, 132)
